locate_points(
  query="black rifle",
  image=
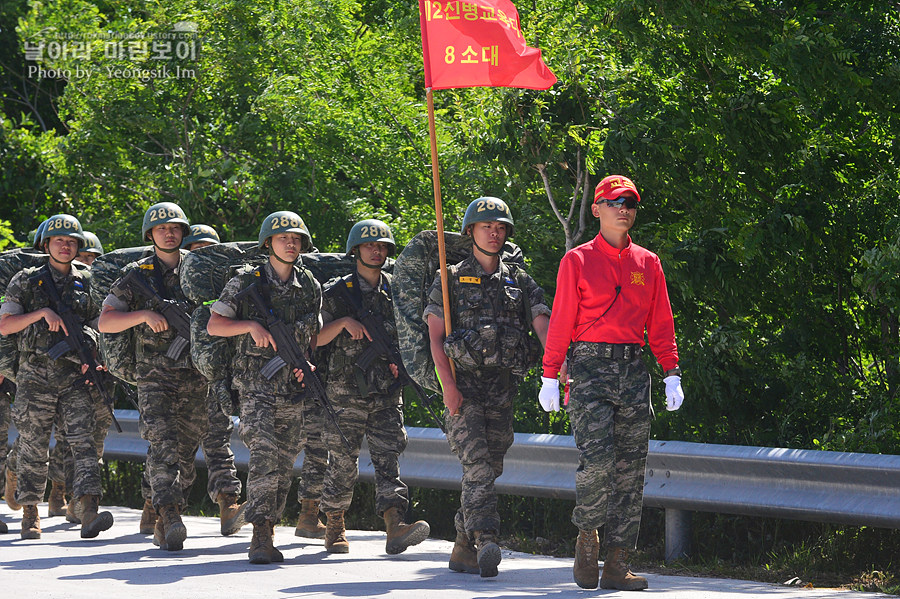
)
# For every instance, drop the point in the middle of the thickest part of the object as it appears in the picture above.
(289, 353)
(382, 345)
(8, 387)
(174, 314)
(74, 340)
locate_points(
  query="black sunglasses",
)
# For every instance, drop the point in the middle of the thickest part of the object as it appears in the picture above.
(630, 203)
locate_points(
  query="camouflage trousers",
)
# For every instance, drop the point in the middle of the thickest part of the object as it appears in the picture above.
(609, 410)
(480, 435)
(62, 462)
(174, 421)
(271, 427)
(43, 388)
(315, 455)
(378, 419)
(217, 443)
(5, 419)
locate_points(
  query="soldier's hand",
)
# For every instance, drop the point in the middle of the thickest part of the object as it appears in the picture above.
(356, 329)
(394, 370)
(261, 336)
(155, 321)
(299, 374)
(54, 322)
(452, 398)
(84, 369)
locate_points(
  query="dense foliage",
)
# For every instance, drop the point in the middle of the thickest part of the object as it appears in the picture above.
(762, 135)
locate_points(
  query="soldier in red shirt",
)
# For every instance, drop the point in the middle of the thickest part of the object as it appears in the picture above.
(610, 293)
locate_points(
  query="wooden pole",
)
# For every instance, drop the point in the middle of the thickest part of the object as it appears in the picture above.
(439, 218)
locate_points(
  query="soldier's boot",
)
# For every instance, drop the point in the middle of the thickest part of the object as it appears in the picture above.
(277, 556)
(93, 523)
(463, 558)
(10, 494)
(587, 554)
(72, 512)
(159, 532)
(335, 534)
(261, 544)
(31, 522)
(488, 553)
(308, 524)
(57, 499)
(231, 513)
(616, 574)
(148, 518)
(175, 530)
(400, 535)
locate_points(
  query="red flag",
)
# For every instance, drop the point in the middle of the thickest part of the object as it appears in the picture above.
(478, 43)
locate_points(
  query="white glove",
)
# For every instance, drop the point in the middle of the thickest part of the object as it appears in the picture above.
(549, 395)
(674, 393)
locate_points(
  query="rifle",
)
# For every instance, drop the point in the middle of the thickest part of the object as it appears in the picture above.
(174, 314)
(382, 345)
(289, 354)
(8, 387)
(74, 340)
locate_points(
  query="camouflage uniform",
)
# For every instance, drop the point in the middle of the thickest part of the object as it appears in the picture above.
(315, 455)
(371, 404)
(45, 386)
(609, 408)
(506, 301)
(172, 394)
(62, 463)
(271, 410)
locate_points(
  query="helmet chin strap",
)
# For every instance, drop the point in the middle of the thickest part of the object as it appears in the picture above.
(279, 258)
(54, 259)
(164, 250)
(484, 251)
(364, 263)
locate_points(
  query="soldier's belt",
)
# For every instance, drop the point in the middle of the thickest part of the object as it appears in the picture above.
(613, 351)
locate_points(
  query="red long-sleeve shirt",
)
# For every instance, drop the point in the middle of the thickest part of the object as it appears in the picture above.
(585, 289)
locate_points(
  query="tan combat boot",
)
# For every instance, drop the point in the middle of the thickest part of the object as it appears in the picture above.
(335, 534)
(488, 553)
(231, 513)
(261, 545)
(31, 522)
(308, 524)
(174, 528)
(159, 533)
(277, 556)
(400, 535)
(93, 523)
(616, 574)
(57, 499)
(10, 493)
(463, 558)
(148, 518)
(73, 512)
(587, 553)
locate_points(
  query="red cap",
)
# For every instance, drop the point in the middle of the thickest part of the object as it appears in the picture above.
(613, 186)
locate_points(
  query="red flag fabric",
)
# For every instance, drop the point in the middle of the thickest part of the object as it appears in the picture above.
(478, 43)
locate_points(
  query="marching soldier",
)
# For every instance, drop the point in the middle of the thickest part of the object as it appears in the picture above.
(368, 397)
(172, 394)
(494, 305)
(271, 408)
(45, 385)
(200, 236)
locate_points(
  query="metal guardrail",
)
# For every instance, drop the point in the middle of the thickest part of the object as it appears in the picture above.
(821, 486)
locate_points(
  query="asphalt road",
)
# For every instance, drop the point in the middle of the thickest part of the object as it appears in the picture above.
(123, 564)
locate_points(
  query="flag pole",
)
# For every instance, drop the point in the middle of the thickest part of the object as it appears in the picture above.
(439, 218)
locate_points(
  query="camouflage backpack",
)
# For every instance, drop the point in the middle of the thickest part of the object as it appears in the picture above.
(414, 271)
(116, 349)
(11, 262)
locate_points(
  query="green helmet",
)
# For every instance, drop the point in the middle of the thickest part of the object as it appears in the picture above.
(284, 221)
(370, 230)
(164, 212)
(92, 243)
(200, 233)
(63, 225)
(488, 209)
(37, 241)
